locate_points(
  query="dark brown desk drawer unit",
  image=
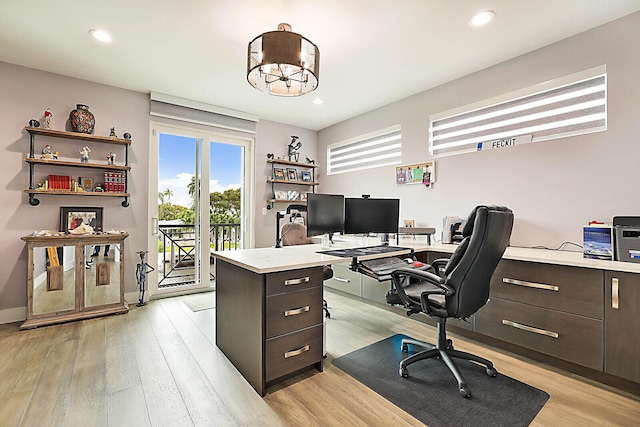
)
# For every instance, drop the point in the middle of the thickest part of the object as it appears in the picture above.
(293, 322)
(570, 337)
(555, 310)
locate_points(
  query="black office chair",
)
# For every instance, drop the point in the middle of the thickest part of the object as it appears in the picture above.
(459, 292)
(294, 233)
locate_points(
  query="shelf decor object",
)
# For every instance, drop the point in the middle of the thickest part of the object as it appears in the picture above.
(82, 120)
(283, 63)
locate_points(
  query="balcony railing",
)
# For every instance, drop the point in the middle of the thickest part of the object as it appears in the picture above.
(176, 250)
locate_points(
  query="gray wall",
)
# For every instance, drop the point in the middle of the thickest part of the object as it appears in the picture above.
(553, 187)
(26, 93)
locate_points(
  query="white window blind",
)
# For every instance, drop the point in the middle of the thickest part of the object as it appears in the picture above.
(380, 148)
(572, 105)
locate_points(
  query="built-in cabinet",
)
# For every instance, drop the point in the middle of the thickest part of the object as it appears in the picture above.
(290, 181)
(622, 331)
(64, 282)
(50, 162)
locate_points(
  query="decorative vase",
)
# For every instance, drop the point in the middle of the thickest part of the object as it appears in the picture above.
(82, 120)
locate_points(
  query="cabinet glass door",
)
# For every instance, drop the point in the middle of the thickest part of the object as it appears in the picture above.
(102, 275)
(54, 278)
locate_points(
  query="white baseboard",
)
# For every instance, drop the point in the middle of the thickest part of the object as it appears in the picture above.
(10, 315)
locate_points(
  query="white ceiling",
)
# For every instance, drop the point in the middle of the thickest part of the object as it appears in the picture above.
(372, 52)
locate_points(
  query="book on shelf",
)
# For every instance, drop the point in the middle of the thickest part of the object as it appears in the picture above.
(59, 182)
(114, 182)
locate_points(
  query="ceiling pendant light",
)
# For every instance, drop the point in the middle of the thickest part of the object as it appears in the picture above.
(283, 63)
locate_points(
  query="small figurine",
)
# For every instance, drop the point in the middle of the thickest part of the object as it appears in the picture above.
(112, 132)
(111, 158)
(85, 154)
(127, 135)
(292, 149)
(47, 118)
(46, 152)
(34, 123)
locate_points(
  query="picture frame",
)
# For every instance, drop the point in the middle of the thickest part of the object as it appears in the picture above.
(409, 223)
(305, 176)
(72, 216)
(86, 183)
(292, 174)
(280, 195)
(278, 173)
(292, 195)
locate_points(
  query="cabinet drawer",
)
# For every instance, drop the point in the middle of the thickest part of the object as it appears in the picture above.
(569, 289)
(294, 310)
(345, 280)
(293, 280)
(288, 353)
(566, 336)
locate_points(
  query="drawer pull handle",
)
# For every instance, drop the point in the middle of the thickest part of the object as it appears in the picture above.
(296, 311)
(297, 352)
(530, 329)
(615, 288)
(297, 281)
(340, 279)
(531, 284)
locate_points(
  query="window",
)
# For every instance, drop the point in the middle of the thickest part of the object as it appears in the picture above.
(572, 105)
(380, 148)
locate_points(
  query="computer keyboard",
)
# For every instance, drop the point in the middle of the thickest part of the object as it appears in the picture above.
(386, 264)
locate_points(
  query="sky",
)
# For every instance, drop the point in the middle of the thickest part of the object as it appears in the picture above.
(177, 166)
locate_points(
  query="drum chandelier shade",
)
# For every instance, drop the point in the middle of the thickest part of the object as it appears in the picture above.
(283, 63)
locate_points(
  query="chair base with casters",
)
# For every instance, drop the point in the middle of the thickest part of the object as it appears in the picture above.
(444, 351)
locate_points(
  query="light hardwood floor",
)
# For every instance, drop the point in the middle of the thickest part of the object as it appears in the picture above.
(158, 366)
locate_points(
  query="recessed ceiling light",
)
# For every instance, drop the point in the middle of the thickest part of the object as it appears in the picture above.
(101, 35)
(318, 101)
(482, 18)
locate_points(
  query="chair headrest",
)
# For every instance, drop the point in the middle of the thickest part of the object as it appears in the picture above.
(471, 219)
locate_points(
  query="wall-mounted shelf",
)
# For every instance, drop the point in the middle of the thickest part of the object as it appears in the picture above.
(32, 191)
(282, 182)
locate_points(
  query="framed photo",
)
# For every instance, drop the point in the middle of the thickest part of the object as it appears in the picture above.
(86, 183)
(306, 176)
(292, 195)
(409, 223)
(278, 173)
(72, 217)
(281, 195)
(292, 174)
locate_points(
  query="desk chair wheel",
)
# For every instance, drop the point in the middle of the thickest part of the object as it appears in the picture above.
(492, 372)
(404, 373)
(464, 392)
(449, 344)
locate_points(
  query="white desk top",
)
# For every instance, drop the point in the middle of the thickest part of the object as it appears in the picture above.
(269, 260)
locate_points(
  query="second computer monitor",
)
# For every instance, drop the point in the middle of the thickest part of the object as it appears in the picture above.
(325, 214)
(365, 215)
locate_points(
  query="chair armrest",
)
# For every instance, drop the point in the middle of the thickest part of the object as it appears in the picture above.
(402, 277)
(440, 262)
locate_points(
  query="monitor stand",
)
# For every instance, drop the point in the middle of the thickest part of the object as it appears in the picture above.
(384, 239)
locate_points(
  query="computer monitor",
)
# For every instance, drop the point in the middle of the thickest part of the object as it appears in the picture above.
(325, 214)
(366, 215)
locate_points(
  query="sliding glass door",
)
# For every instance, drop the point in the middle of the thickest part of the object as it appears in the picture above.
(202, 205)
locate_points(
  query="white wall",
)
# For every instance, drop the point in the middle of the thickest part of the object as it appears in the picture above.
(553, 187)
